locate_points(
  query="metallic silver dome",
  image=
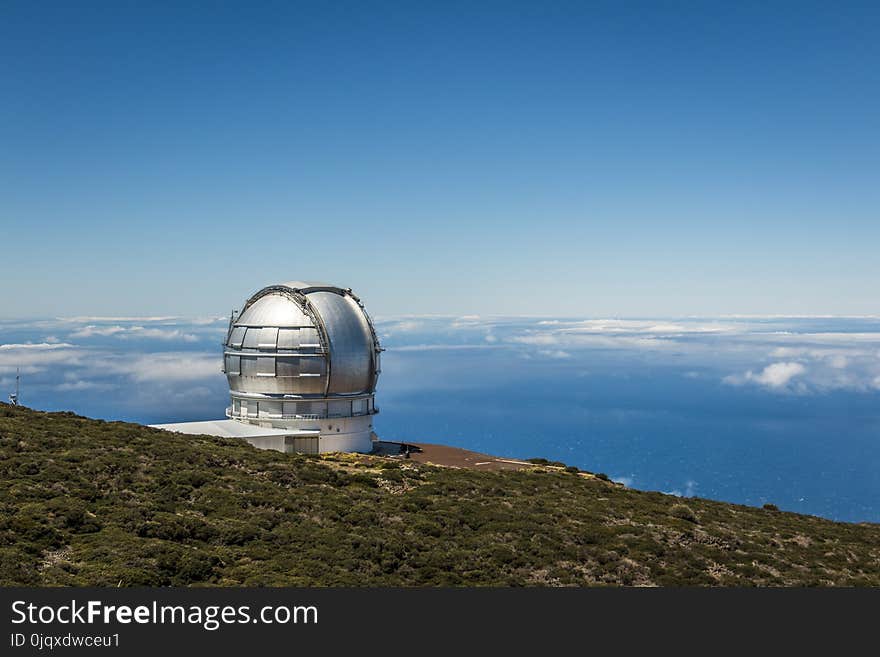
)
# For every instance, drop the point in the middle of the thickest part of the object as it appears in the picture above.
(312, 342)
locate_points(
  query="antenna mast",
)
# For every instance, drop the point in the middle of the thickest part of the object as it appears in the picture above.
(14, 397)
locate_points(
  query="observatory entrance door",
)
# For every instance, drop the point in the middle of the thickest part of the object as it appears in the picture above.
(305, 445)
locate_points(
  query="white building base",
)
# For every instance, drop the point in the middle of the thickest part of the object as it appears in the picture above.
(318, 436)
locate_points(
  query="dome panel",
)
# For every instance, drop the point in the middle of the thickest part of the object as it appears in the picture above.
(351, 342)
(275, 310)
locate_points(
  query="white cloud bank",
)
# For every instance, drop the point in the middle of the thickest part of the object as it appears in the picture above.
(36, 357)
(651, 327)
(169, 366)
(96, 318)
(135, 332)
(784, 356)
(558, 354)
(72, 386)
(90, 367)
(41, 346)
(777, 375)
(91, 331)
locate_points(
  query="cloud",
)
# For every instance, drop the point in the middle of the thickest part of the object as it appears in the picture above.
(467, 322)
(35, 346)
(834, 337)
(652, 327)
(828, 353)
(170, 366)
(204, 321)
(92, 319)
(690, 489)
(814, 361)
(440, 347)
(777, 375)
(70, 386)
(91, 331)
(778, 355)
(595, 341)
(403, 326)
(128, 332)
(536, 339)
(735, 316)
(554, 353)
(634, 334)
(35, 357)
(159, 334)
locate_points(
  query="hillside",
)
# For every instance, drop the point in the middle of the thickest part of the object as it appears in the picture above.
(87, 502)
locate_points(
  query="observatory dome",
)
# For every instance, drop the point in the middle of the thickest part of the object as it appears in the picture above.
(304, 356)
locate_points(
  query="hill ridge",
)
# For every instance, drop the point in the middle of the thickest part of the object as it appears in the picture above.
(89, 502)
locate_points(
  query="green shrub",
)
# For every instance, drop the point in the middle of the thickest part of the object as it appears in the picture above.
(543, 461)
(361, 479)
(771, 507)
(683, 512)
(392, 475)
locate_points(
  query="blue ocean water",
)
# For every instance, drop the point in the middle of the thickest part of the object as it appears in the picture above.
(747, 410)
(653, 428)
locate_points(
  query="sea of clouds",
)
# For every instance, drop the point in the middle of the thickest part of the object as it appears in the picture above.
(146, 368)
(784, 355)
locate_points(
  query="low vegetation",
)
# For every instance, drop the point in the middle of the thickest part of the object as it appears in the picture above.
(86, 502)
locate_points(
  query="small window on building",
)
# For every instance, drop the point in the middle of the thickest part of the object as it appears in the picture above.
(233, 365)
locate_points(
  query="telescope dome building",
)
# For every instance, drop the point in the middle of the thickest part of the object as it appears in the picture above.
(302, 362)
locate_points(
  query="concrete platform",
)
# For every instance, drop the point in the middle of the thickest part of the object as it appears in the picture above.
(226, 429)
(280, 440)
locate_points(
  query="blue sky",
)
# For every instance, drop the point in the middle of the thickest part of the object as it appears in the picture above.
(579, 159)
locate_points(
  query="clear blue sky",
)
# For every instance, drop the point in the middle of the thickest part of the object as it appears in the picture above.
(581, 159)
